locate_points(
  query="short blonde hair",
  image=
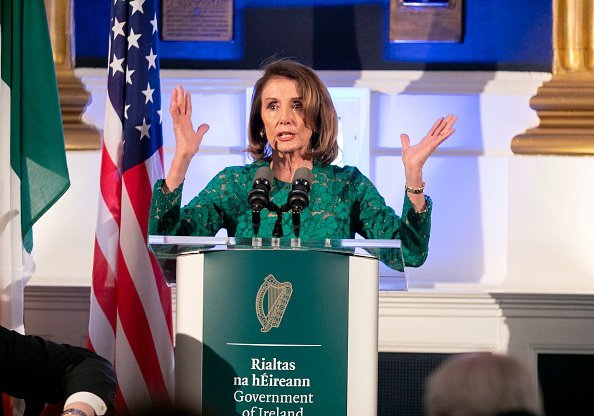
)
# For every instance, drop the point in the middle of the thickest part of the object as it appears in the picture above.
(481, 384)
(318, 111)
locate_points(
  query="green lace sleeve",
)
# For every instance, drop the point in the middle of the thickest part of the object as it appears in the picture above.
(200, 217)
(378, 220)
(415, 231)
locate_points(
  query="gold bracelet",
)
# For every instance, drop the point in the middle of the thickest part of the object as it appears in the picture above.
(415, 190)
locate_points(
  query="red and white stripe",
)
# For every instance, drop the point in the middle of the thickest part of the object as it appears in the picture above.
(130, 322)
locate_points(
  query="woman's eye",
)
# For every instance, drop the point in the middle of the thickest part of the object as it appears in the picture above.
(298, 105)
(272, 106)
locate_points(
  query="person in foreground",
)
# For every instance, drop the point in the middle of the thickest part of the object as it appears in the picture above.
(293, 124)
(482, 384)
(41, 371)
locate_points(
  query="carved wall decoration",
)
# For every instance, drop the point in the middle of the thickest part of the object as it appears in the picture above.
(73, 96)
(565, 104)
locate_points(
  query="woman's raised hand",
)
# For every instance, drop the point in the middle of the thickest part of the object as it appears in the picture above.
(414, 157)
(187, 140)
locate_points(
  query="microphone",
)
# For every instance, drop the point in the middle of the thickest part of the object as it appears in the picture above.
(259, 196)
(299, 196)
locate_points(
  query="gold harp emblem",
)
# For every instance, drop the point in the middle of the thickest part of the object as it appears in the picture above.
(275, 296)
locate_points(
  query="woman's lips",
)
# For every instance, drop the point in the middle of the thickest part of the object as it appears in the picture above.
(285, 136)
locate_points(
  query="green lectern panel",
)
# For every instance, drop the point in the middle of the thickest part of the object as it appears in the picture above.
(275, 333)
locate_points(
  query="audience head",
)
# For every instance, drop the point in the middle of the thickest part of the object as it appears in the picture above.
(482, 384)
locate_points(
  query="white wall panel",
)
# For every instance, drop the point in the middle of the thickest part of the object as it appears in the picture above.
(65, 236)
(551, 224)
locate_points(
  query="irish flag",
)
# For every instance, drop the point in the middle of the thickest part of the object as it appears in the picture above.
(33, 171)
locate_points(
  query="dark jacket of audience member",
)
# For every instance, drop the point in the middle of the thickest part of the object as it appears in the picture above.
(32, 368)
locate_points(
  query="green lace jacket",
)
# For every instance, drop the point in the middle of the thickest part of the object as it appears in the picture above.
(342, 202)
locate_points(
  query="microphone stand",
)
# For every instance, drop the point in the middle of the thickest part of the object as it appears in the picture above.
(297, 201)
(277, 231)
(255, 221)
(259, 198)
(256, 241)
(296, 215)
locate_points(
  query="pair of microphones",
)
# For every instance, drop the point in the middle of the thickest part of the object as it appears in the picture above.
(297, 201)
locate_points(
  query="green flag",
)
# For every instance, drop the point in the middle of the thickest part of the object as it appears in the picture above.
(33, 168)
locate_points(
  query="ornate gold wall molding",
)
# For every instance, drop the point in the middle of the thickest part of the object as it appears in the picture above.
(73, 96)
(565, 104)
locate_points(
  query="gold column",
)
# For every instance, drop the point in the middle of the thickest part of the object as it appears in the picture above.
(565, 104)
(73, 96)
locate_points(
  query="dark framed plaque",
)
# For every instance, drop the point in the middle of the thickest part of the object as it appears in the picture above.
(197, 20)
(426, 21)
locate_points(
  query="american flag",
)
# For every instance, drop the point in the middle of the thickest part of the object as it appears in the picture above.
(130, 321)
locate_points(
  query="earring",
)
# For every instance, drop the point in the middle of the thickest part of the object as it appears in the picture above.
(262, 134)
(315, 138)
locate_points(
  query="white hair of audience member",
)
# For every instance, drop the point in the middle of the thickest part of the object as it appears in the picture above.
(482, 384)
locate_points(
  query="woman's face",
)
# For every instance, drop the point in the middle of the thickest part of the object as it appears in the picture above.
(282, 114)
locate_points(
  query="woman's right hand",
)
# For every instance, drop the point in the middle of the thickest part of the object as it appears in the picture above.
(187, 140)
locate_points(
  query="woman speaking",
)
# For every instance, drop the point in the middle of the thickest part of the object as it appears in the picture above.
(293, 124)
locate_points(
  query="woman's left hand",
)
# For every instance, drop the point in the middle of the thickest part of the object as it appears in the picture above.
(414, 157)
